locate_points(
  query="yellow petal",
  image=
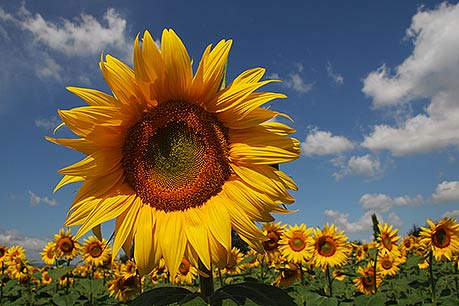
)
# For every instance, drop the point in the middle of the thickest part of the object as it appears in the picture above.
(98, 164)
(196, 233)
(247, 154)
(125, 227)
(67, 179)
(144, 252)
(93, 97)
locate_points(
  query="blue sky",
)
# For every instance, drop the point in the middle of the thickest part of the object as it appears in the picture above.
(372, 87)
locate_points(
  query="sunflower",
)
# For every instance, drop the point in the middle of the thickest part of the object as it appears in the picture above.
(45, 278)
(388, 264)
(14, 255)
(49, 253)
(3, 251)
(234, 266)
(95, 252)
(388, 239)
(365, 279)
(296, 244)
(273, 233)
(175, 158)
(288, 274)
(186, 273)
(442, 239)
(331, 248)
(409, 243)
(253, 258)
(67, 246)
(123, 286)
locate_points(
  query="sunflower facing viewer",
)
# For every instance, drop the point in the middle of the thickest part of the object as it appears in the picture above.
(177, 160)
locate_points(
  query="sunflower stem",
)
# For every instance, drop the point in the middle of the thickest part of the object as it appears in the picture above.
(456, 280)
(220, 277)
(375, 265)
(206, 282)
(329, 280)
(301, 274)
(431, 279)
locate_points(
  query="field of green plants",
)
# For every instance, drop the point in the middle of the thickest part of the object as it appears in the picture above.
(419, 269)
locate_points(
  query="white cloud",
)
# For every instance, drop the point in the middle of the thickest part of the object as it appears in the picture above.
(336, 77)
(341, 220)
(383, 203)
(451, 214)
(35, 200)
(85, 35)
(48, 123)
(365, 166)
(431, 72)
(294, 80)
(32, 246)
(324, 143)
(446, 192)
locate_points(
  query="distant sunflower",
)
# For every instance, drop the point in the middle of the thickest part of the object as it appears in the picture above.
(176, 159)
(3, 251)
(365, 279)
(409, 243)
(331, 248)
(442, 239)
(95, 252)
(15, 254)
(388, 264)
(273, 233)
(288, 274)
(388, 239)
(49, 254)
(234, 266)
(45, 278)
(67, 246)
(296, 244)
(186, 273)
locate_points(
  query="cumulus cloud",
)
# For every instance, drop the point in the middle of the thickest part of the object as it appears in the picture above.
(365, 166)
(336, 77)
(324, 143)
(383, 203)
(341, 220)
(294, 80)
(32, 246)
(35, 200)
(48, 43)
(451, 214)
(47, 123)
(447, 191)
(431, 72)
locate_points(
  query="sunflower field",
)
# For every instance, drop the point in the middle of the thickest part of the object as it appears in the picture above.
(300, 266)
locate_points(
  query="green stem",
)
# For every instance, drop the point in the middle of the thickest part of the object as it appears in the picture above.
(220, 277)
(375, 265)
(301, 273)
(432, 280)
(206, 282)
(1, 283)
(329, 280)
(456, 279)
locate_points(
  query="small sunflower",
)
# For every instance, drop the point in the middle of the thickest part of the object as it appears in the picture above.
(273, 233)
(95, 252)
(234, 266)
(365, 279)
(178, 160)
(296, 244)
(254, 259)
(49, 254)
(331, 248)
(14, 254)
(45, 278)
(186, 273)
(67, 246)
(442, 239)
(339, 275)
(388, 239)
(388, 264)
(124, 288)
(3, 252)
(409, 243)
(288, 274)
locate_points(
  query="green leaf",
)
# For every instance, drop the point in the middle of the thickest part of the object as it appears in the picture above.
(163, 296)
(261, 294)
(413, 261)
(57, 273)
(370, 300)
(66, 299)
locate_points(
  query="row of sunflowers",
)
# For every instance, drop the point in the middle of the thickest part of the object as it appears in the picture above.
(313, 265)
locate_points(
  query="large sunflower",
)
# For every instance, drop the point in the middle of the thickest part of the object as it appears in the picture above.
(442, 239)
(331, 248)
(175, 158)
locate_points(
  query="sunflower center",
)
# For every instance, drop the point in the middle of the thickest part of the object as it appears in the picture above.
(441, 238)
(386, 263)
(297, 243)
(272, 243)
(326, 246)
(176, 156)
(387, 242)
(95, 250)
(66, 245)
(184, 267)
(368, 280)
